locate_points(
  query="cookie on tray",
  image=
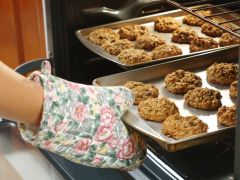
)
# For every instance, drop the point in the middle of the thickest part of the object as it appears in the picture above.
(134, 56)
(178, 127)
(222, 73)
(227, 39)
(233, 89)
(166, 24)
(157, 109)
(115, 48)
(142, 91)
(148, 41)
(166, 50)
(203, 98)
(227, 116)
(131, 32)
(183, 35)
(192, 20)
(102, 35)
(202, 43)
(180, 81)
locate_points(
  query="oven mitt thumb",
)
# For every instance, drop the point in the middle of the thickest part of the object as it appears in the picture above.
(83, 123)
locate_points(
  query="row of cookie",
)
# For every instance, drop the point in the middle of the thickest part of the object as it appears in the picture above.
(164, 111)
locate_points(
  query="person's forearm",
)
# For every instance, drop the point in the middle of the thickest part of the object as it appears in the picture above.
(20, 99)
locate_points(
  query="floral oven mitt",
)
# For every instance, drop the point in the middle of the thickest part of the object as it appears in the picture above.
(83, 123)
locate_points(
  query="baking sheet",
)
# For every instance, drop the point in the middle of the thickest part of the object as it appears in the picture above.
(155, 74)
(147, 21)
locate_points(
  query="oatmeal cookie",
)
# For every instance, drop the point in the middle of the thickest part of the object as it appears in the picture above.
(180, 81)
(192, 20)
(157, 109)
(131, 32)
(142, 91)
(233, 89)
(222, 73)
(134, 56)
(102, 35)
(203, 98)
(183, 35)
(227, 116)
(148, 41)
(202, 43)
(166, 24)
(227, 39)
(178, 127)
(116, 47)
(164, 51)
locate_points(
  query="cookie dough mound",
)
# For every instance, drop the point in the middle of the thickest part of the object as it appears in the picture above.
(164, 51)
(180, 81)
(166, 24)
(192, 20)
(142, 91)
(134, 56)
(203, 98)
(148, 41)
(233, 89)
(115, 48)
(131, 32)
(227, 39)
(102, 35)
(157, 109)
(183, 35)
(227, 116)
(202, 43)
(222, 73)
(178, 127)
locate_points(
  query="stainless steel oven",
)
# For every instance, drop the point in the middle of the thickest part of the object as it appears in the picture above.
(73, 61)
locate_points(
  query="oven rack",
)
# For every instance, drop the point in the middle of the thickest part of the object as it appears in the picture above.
(211, 5)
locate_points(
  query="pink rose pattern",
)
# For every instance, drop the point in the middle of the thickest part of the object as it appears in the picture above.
(84, 128)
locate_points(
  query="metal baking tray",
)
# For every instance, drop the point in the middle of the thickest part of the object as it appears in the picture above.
(155, 74)
(147, 21)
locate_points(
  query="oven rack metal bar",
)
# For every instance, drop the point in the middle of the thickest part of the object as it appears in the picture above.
(205, 18)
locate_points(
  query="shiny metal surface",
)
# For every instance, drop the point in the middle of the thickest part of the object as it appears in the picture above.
(147, 21)
(155, 74)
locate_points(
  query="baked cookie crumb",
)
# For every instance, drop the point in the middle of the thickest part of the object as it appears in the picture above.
(131, 32)
(178, 127)
(202, 43)
(148, 41)
(166, 24)
(103, 35)
(227, 116)
(166, 50)
(157, 109)
(203, 98)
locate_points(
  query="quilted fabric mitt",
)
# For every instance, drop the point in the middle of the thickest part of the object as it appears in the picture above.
(83, 123)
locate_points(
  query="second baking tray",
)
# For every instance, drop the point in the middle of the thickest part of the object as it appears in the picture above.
(147, 21)
(155, 75)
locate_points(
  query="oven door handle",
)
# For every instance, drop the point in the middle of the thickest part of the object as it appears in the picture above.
(135, 9)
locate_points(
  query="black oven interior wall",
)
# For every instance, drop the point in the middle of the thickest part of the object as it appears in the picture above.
(72, 60)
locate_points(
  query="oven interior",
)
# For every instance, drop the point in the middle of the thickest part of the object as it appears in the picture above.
(75, 62)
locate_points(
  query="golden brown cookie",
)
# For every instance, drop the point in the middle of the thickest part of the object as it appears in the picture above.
(222, 73)
(227, 116)
(166, 50)
(157, 109)
(227, 39)
(131, 32)
(102, 35)
(134, 56)
(178, 127)
(142, 91)
(116, 47)
(192, 20)
(183, 35)
(166, 24)
(148, 41)
(202, 43)
(180, 81)
(233, 89)
(203, 98)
